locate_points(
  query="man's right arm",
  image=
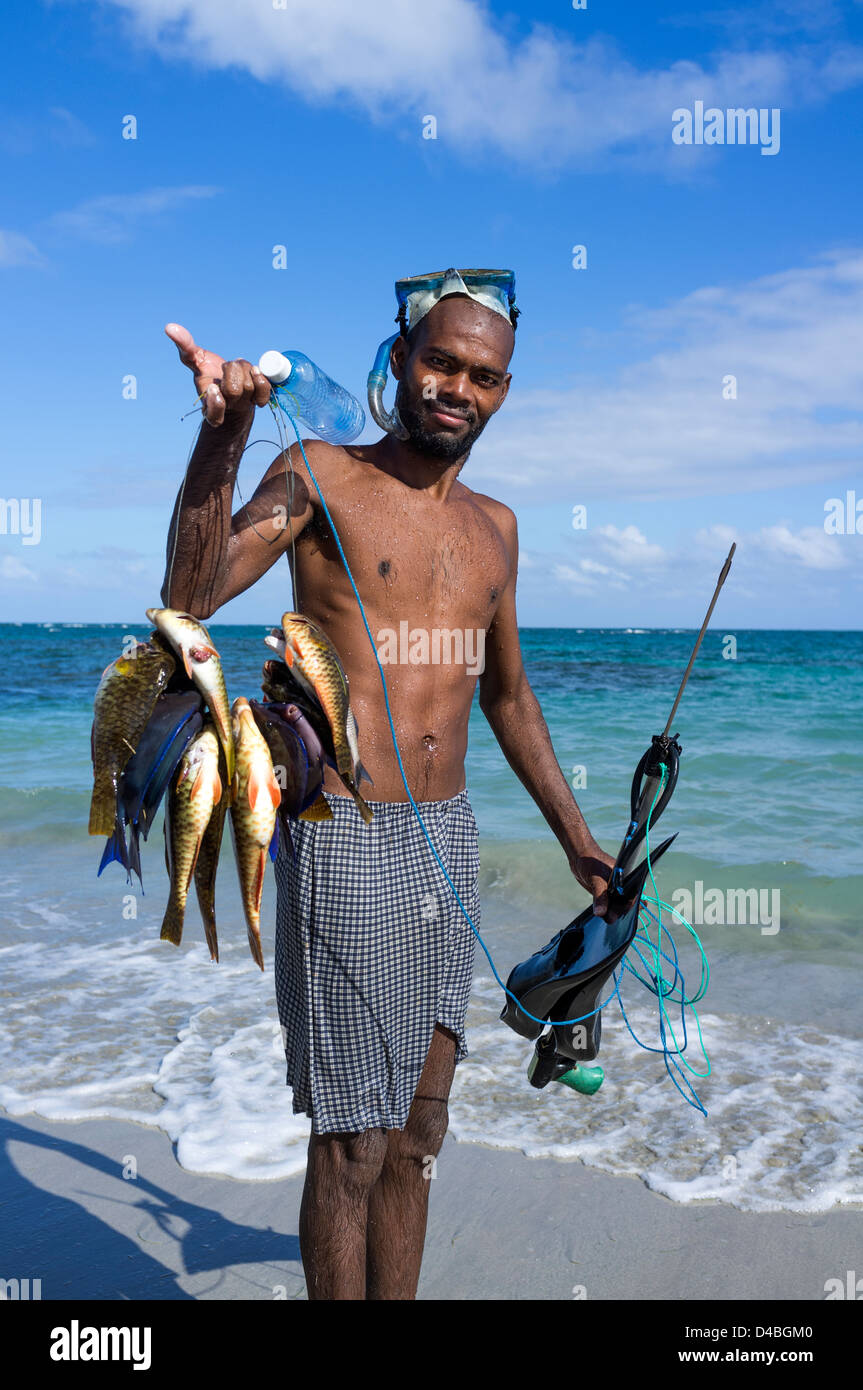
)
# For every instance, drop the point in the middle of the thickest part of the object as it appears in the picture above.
(211, 555)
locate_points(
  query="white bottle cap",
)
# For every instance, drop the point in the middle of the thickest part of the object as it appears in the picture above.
(275, 367)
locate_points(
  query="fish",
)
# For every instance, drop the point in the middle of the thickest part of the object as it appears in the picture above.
(206, 866)
(195, 793)
(282, 688)
(191, 640)
(175, 721)
(297, 762)
(254, 808)
(124, 701)
(292, 764)
(313, 660)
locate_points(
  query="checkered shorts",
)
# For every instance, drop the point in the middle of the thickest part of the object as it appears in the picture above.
(372, 950)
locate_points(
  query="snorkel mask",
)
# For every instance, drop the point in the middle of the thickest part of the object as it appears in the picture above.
(495, 289)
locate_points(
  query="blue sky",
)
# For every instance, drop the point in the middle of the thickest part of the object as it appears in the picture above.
(302, 126)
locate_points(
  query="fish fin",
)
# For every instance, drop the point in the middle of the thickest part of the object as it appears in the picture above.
(319, 810)
(187, 665)
(115, 850)
(135, 854)
(258, 786)
(255, 946)
(274, 842)
(172, 923)
(207, 782)
(361, 773)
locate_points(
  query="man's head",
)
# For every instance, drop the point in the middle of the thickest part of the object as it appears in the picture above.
(452, 374)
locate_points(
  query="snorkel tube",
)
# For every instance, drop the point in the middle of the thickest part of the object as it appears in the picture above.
(377, 380)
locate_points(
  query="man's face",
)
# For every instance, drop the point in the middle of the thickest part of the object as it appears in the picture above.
(453, 377)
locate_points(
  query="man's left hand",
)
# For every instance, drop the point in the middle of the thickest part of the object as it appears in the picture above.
(592, 867)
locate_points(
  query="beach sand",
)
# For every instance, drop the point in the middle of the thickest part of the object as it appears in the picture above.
(502, 1226)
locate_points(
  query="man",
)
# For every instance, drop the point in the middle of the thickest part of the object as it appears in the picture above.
(373, 955)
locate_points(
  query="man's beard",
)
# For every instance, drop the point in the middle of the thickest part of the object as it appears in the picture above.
(438, 444)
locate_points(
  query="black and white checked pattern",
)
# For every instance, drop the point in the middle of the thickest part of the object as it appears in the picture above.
(372, 950)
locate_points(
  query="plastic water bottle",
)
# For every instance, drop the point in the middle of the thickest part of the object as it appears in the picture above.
(306, 393)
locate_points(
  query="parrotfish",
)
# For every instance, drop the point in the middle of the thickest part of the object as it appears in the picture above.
(194, 796)
(254, 808)
(313, 660)
(191, 640)
(124, 702)
(205, 869)
(297, 762)
(175, 721)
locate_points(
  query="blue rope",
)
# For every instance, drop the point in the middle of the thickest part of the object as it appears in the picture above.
(544, 1021)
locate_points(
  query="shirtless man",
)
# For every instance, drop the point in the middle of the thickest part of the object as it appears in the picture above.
(423, 548)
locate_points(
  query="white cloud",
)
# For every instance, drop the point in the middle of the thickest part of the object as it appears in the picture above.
(769, 560)
(113, 217)
(550, 98)
(793, 342)
(812, 547)
(17, 250)
(588, 574)
(631, 546)
(10, 568)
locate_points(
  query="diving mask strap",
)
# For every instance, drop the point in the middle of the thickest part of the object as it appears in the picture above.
(388, 420)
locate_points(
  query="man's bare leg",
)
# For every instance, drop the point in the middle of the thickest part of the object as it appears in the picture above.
(341, 1173)
(398, 1204)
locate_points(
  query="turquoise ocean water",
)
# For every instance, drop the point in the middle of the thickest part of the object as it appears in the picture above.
(101, 1018)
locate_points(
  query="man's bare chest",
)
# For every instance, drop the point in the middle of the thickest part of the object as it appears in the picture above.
(450, 562)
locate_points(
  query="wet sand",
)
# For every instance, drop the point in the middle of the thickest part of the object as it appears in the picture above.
(502, 1226)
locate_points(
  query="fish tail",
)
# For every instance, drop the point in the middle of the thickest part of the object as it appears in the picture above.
(255, 945)
(363, 807)
(205, 890)
(115, 850)
(319, 810)
(135, 853)
(172, 924)
(208, 917)
(252, 906)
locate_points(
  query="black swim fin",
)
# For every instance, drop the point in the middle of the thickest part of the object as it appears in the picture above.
(564, 980)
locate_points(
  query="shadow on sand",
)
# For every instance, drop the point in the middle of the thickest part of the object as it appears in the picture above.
(79, 1255)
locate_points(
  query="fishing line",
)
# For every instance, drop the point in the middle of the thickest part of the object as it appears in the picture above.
(418, 814)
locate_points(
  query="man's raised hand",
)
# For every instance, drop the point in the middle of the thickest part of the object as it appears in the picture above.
(226, 388)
